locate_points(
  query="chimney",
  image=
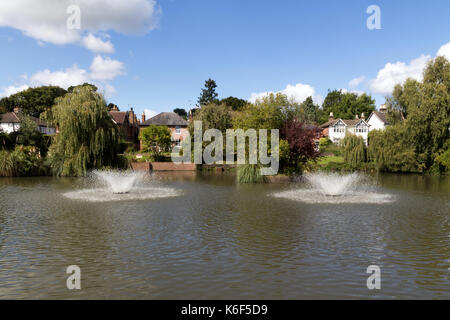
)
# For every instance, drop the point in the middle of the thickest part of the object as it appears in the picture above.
(356, 117)
(363, 116)
(331, 117)
(383, 108)
(143, 117)
(131, 116)
(17, 110)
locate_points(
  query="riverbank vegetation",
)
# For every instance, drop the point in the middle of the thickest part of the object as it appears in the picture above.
(417, 139)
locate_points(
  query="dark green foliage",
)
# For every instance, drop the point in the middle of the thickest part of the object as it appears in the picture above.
(181, 112)
(91, 86)
(28, 135)
(346, 105)
(234, 103)
(22, 161)
(209, 94)
(311, 111)
(33, 101)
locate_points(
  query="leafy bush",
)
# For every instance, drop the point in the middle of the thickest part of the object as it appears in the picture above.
(22, 161)
(6, 164)
(249, 173)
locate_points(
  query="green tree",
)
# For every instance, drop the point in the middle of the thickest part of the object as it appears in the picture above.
(91, 86)
(426, 106)
(87, 139)
(33, 101)
(391, 150)
(156, 139)
(354, 150)
(181, 112)
(346, 105)
(28, 135)
(311, 111)
(269, 112)
(234, 103)
(209, 94)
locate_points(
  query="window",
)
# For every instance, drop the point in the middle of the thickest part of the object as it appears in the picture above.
(177, 130)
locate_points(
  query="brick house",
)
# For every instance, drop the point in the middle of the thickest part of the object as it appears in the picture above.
(177, 125)
(127, 123)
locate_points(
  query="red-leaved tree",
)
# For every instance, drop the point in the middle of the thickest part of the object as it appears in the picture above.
(301, 138)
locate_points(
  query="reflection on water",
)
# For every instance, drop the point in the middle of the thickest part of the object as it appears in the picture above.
(219, 240)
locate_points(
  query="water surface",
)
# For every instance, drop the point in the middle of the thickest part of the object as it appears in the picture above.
(213, 239)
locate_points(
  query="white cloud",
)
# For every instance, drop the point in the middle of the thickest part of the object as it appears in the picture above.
(46, 20)
(445, 51)
(12, 90)
(356, 82)
(102, 71)
(149, 113)
(95, 44)
(106, 68)
(396, 73)
(63, 78)
(299, 93)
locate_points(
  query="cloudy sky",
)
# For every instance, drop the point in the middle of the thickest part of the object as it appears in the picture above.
(156, 54)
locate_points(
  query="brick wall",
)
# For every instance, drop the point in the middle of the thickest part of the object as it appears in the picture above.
(162, 166)
(170, 166)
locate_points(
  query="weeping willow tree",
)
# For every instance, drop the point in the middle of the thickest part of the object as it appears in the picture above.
(354, 150)
(87, 138)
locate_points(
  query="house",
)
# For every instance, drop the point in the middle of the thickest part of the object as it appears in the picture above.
(127, 123)
(176, 124)
(337, 129)
(378, 119)
(10, 122)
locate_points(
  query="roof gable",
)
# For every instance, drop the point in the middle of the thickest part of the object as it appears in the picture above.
(119, 117)
(166, 119)
(381, 116)
(9, 117)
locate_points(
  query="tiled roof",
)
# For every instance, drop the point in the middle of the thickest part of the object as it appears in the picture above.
(381, 116)
(118, 116)
(12, 117)
(328, 124)
(9, 117)
(349, 123)
(166, 119)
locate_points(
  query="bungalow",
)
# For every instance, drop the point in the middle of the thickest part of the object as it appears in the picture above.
(378, 119)
(176, 124)
(10, 122)
(337, 129)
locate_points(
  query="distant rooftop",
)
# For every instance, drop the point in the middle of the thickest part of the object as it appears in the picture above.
(166, 119)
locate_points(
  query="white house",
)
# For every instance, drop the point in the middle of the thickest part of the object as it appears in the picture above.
(378, 120)
(336, 130)
(10, 122)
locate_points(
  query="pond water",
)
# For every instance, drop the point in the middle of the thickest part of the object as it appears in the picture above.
(202, 236)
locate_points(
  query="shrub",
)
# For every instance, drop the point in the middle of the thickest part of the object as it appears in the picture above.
(249, 173)
(6, 164)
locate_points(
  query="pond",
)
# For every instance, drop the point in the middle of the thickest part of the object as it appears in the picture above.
(202, 236)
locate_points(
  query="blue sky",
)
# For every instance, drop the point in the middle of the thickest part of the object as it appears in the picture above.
(155, 55)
